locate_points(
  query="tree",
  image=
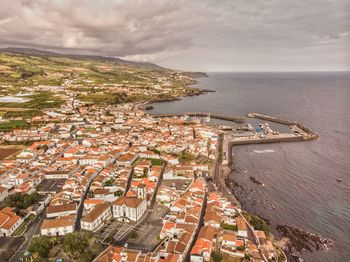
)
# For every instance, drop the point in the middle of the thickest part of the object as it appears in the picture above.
(22, 201)
(133, 235)
(41, 246)
(145, 171)
(76, 242)
(109, 182)
(216, 257)
(241, 248)
(118, 193)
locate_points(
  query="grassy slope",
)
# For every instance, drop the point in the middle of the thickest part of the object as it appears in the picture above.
(85, 75)
(19, 70)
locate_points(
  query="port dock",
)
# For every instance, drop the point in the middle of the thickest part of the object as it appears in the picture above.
(308, 134)
(235, 119)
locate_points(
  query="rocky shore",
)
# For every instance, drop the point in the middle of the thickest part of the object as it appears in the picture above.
(300, 240)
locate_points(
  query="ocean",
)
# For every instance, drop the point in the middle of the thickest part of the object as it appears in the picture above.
(301, 187)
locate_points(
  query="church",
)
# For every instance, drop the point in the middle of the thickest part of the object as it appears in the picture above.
(131, 208)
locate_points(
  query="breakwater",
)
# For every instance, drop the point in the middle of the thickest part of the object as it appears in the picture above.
(235, 119)
(310, 134)
(274, 139)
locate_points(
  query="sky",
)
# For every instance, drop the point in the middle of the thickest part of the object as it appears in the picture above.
(197, 35)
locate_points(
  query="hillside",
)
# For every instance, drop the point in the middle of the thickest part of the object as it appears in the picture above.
(47, 79)
(44, 53)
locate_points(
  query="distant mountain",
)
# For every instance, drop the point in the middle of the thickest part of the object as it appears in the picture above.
(45, 53)
(195, 74)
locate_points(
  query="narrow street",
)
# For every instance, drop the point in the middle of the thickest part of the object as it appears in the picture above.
(28, 235)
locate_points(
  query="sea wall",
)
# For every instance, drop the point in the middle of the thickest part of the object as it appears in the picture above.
(310, 133)
(236, 119)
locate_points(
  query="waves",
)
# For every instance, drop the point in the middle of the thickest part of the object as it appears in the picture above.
(264, 151)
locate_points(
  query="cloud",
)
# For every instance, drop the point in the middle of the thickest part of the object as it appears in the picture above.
(198, 34)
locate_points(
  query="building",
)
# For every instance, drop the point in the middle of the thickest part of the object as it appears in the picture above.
(57, 227)
(96, 217)
(241, 227)
(61, 210)
(131, 207)
(9, 222)
(201, 250)
(126, 160)
(3, 193)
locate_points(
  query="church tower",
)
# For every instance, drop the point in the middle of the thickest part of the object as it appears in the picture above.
(141, 191)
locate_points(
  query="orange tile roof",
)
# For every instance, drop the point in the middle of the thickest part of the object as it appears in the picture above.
(133, 202)
(57, 222)
(61, 208)
(8, 218)
(95, 213)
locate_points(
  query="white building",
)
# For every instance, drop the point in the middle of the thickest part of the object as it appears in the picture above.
(242, 230)
(3, 193)
(9, 222)
(96, 217)
(61, 210)
(130, 208)
(57, 227)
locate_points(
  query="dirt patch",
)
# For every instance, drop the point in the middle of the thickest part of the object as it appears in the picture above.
(7, 152)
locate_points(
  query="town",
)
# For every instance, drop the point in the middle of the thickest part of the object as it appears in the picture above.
(140, 187)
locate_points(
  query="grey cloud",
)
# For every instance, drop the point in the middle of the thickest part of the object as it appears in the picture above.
(192, 34)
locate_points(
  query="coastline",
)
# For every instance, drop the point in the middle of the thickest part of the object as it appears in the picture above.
(282, 242)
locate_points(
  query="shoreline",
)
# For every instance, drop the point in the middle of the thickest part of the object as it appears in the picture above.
(291, 249)
(282, 242)
(179, 98)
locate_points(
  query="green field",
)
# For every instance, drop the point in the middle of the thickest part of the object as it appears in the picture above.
(20, 70)
(50, 80)
(8, 126)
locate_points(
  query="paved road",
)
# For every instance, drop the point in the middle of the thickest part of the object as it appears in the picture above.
(28, 235)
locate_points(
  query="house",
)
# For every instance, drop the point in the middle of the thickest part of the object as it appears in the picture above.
(130, 207)
(126, 160)
(9, 222)
(57, 227)
(3, 193)
(241, 227)
(61, 210)
(96, 217)
(229, 240)
(212, 219)
(90, 203)
(201, 250)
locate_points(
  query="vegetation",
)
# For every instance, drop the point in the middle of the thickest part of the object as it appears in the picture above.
(19, 231)
(24, 114)
(133, 235)
(21, 69)
(41, 246)
(241, 248)
(19, 144)
(37, 101)
(77, 246)
(89, 77)
(257, 222)
(118, 193)
(247, 256)
(21, 201)
(157, 162)
(216, 257)
(230, 227)
(186, 158)
(103, 98)
(14, 124)
(109, 182)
